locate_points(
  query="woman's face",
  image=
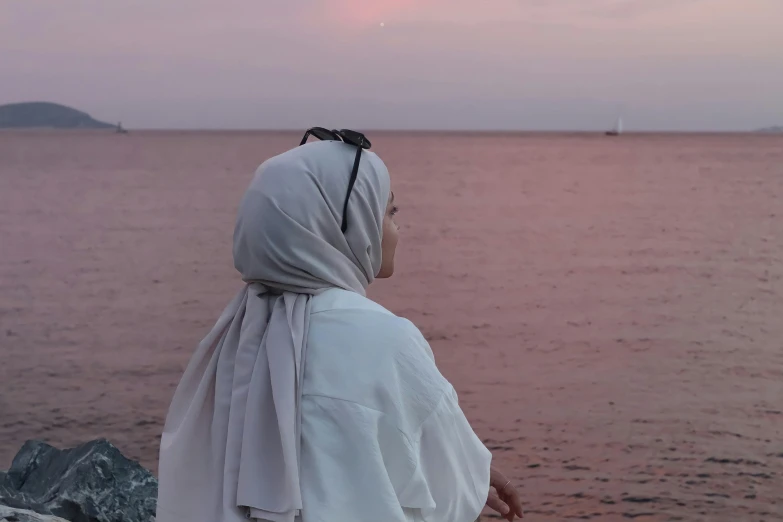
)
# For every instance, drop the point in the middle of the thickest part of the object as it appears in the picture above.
(391, 233)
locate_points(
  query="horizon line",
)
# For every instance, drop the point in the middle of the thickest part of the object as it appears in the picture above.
(397, 130)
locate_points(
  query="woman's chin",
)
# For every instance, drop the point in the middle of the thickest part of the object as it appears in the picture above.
(385, 273)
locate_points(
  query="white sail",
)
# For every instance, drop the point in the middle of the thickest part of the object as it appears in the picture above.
(619, 127)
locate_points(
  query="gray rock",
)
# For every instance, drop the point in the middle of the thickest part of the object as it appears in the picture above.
(8, 514)
(93, 482)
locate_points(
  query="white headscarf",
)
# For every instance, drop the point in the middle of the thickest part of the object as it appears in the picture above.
(230, 445)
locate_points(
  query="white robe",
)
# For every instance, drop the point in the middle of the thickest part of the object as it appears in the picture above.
(383, 436)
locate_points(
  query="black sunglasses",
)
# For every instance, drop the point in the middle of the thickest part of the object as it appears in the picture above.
(357, 139)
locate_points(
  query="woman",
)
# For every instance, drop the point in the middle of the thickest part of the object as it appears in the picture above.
(308, 401)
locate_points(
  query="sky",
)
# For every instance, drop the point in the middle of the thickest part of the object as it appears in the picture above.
(682, 65)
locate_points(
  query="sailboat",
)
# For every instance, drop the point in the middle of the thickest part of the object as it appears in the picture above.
(120, 129)
(618, 128)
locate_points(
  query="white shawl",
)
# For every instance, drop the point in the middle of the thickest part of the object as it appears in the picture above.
(230, 445)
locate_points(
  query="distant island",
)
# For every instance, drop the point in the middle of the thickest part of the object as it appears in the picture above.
(47, 115)
(771, 130)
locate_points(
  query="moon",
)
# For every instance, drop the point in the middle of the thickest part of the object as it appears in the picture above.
(383, 24)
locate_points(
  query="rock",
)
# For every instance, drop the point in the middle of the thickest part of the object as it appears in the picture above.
(93, 482)
(8, 514)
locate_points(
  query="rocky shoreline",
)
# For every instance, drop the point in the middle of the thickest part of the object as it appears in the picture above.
(93, 482)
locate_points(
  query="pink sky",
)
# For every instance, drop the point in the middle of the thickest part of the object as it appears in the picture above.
(496, 64)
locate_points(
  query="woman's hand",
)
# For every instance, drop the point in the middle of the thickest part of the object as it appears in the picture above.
(503, 497)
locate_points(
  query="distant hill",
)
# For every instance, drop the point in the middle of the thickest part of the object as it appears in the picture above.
(46, 115)
(771, 130)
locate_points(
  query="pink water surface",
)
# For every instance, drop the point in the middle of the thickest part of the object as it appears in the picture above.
(610, 309)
